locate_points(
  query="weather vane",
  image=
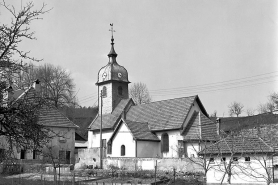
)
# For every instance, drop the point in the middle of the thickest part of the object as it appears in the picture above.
(111, 24)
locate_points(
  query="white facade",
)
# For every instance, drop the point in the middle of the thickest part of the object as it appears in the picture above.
(124, 138)
(94, 138)
(249, 172)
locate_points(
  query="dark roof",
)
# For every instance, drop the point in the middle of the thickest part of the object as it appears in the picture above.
(200, 127)
(238, 123)
(48, 115)
(79, 137)
(109, 120)
(238, 145)
(208, 128)
(162, 115)
(51, 116)
(141, 131)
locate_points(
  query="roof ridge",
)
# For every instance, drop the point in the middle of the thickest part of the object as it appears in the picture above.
(165, 100)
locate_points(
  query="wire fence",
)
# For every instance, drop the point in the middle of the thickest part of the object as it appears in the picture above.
(104, 177)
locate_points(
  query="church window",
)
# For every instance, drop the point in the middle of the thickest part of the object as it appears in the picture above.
(164, 142)
(109, 148)
(120, 90)
(123, 150)
(104, 92)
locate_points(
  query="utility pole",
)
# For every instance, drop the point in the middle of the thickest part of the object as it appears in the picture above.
(100, 134)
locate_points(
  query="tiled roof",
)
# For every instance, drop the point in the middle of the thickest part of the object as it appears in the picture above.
(141, 131)
(238, 145)
(238, 123)
(208, 128)
(200, 127)
(48, 116)
(51, 116)
(109, 120)
(162, 115)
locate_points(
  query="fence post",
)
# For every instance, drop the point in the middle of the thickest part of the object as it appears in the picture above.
(73, 178)
(174, 176)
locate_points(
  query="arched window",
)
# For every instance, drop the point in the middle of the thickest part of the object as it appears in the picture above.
(123, 150)
(164, 142)
(120, 90)
(104, 92)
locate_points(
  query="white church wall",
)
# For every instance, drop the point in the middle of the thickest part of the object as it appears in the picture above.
(174, 136)
(148, 149)
(94, 138)
(123, 137)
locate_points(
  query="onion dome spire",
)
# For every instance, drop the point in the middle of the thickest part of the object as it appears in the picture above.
(112, 54)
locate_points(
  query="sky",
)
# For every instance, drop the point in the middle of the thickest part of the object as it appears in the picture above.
(221, 50)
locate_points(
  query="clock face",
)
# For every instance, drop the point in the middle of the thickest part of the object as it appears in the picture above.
(120, 75)
(104, 75)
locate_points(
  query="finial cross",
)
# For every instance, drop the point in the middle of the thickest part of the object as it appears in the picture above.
(112, 30)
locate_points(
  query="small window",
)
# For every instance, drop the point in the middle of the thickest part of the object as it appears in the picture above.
(235, 159)
(36, 154)
(22, 154)
(211, 160)
(247, 159)
(62, 155)
(120, 90)
(2, 155)
(123, 150)
(104, 92)
(223, 159)
(164, 142)
(109, 148)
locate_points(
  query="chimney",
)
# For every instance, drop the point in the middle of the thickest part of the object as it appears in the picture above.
(218, 122)
(37, 85)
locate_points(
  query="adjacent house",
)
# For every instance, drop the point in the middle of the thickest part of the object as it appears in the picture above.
(247, 150)
(168, 128)
(62, 144)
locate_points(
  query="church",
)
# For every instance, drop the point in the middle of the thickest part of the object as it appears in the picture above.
(170, 128)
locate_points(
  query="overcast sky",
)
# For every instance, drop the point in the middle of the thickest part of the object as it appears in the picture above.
(177, 48)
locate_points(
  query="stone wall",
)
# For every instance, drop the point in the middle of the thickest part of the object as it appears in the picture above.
(165, 164)
(89, 156)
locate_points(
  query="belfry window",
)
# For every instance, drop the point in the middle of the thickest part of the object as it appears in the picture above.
(104, 92)
(123, 150)
(120, 90)
(164, 142)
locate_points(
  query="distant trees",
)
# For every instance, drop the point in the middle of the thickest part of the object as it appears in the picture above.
(235, 108)
(56, 83)
(269, 106)
(139, 93)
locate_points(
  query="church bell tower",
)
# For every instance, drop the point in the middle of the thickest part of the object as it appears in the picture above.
(112, 81)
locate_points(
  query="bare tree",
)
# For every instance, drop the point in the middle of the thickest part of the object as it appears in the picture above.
(18, 119)
(274, 99)
(214, 114)
(56, 83)
(235, 109)
(139, 93)
(259, 147)
(250, 112)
